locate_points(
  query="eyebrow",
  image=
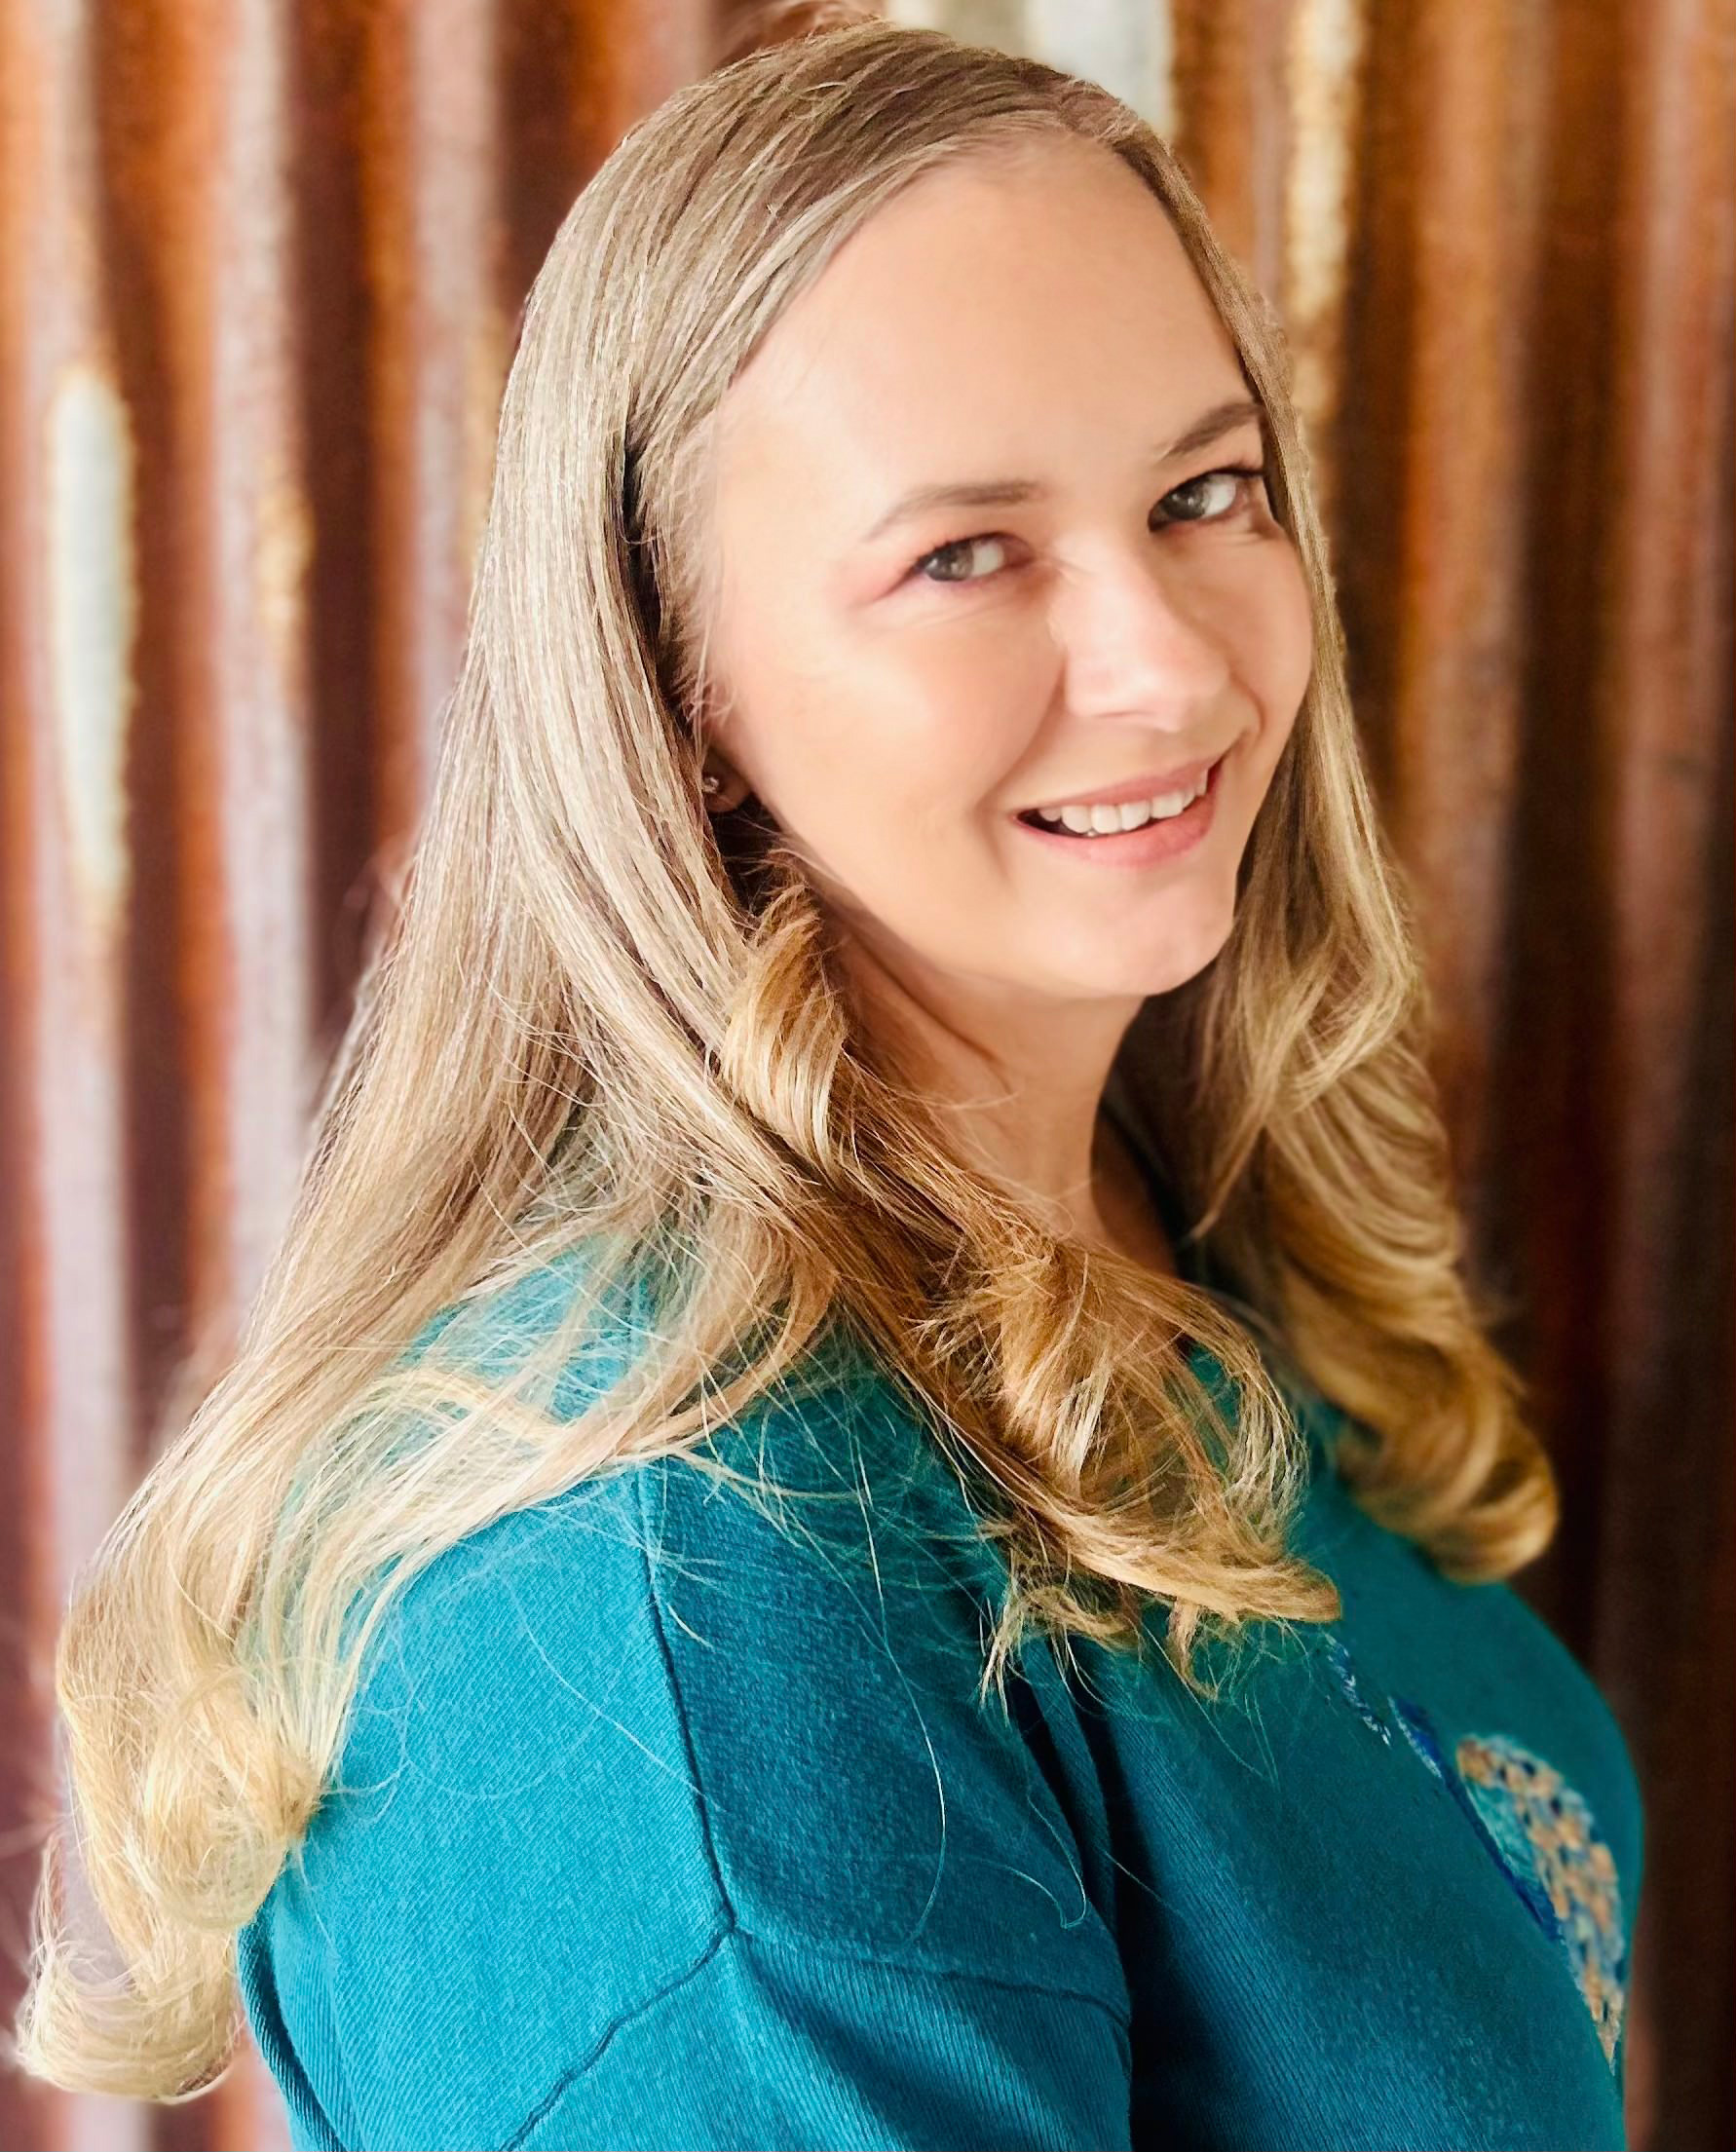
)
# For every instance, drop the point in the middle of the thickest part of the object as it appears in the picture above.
(993, 493)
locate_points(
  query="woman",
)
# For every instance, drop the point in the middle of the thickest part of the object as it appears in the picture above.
(774, 1566)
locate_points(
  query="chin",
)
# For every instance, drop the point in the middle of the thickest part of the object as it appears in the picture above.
(1167, 959)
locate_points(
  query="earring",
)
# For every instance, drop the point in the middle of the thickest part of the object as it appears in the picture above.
(711, 782)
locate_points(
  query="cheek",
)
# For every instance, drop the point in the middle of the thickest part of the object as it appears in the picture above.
(1292, 639)
(911, 739)
(1275, 648)
(959, 713)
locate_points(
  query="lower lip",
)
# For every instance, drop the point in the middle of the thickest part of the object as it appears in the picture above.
(1146, 846)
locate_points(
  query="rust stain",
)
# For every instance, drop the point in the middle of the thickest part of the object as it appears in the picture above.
(92, 621)
(282, 554)
(1323, 63)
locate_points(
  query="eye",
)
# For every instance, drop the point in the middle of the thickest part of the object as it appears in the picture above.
(951, 552)
(1244, 477)
(1243, 481)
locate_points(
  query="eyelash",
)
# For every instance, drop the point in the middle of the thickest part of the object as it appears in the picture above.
(1246, 472)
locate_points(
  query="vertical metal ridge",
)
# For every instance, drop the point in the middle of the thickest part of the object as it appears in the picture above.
(70, 613)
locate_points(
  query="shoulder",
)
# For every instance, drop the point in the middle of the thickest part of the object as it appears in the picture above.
(602, 1733)
(512, 1779)
(827, 1659)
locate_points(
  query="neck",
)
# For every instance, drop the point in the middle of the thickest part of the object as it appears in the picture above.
(1027, 1109)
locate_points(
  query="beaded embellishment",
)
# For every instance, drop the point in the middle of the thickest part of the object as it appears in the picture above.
(1540, 1834)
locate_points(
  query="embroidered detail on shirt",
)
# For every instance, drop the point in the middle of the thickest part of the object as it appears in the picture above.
(1346, 1674)
(1535, 1815)
(1513, 1861)
(1538, 1831)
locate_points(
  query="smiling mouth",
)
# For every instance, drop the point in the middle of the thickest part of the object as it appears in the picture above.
(1033, 817)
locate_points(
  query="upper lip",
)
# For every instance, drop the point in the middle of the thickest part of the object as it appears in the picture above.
(1154, 786)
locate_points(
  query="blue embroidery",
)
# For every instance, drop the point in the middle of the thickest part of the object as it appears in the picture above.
(1418, 1731)
(1540, 1834)
(1342, 1667)
(1509, 1853)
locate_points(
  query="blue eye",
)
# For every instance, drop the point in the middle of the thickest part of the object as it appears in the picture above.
(1246, 477)
(955, 546)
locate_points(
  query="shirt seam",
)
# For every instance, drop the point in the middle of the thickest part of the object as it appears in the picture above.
(826, 1953)
(688, 1747)
(732, 1919)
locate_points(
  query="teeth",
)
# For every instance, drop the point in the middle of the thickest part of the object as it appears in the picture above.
(1103, 821)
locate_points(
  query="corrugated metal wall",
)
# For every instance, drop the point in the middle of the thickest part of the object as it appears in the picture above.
(260, 263)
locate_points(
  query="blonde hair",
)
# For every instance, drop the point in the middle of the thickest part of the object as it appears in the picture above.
(604, 1061)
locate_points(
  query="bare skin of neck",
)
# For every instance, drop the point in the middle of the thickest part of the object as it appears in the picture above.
(1131, 1226)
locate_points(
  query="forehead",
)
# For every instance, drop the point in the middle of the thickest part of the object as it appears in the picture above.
(995, 305)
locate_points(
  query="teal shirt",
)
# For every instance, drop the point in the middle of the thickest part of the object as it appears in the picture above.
(659, 1825)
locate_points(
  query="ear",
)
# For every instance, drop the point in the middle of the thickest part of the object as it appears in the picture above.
(724, 790)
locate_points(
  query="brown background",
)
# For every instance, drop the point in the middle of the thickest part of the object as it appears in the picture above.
(260, 264)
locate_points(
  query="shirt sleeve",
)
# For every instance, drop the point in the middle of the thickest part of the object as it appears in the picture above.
(760, 2047)
(661, 1823)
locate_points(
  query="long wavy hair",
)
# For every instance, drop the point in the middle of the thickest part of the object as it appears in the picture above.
(603, 1057)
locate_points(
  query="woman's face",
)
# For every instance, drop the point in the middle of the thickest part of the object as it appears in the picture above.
(902, 676)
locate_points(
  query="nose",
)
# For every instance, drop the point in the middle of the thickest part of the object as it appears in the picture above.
(1130, 642)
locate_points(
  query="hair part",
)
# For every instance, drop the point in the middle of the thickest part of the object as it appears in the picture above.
(605, 1155)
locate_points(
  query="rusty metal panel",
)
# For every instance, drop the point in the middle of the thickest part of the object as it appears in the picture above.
(260, 266)
(69, 607)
